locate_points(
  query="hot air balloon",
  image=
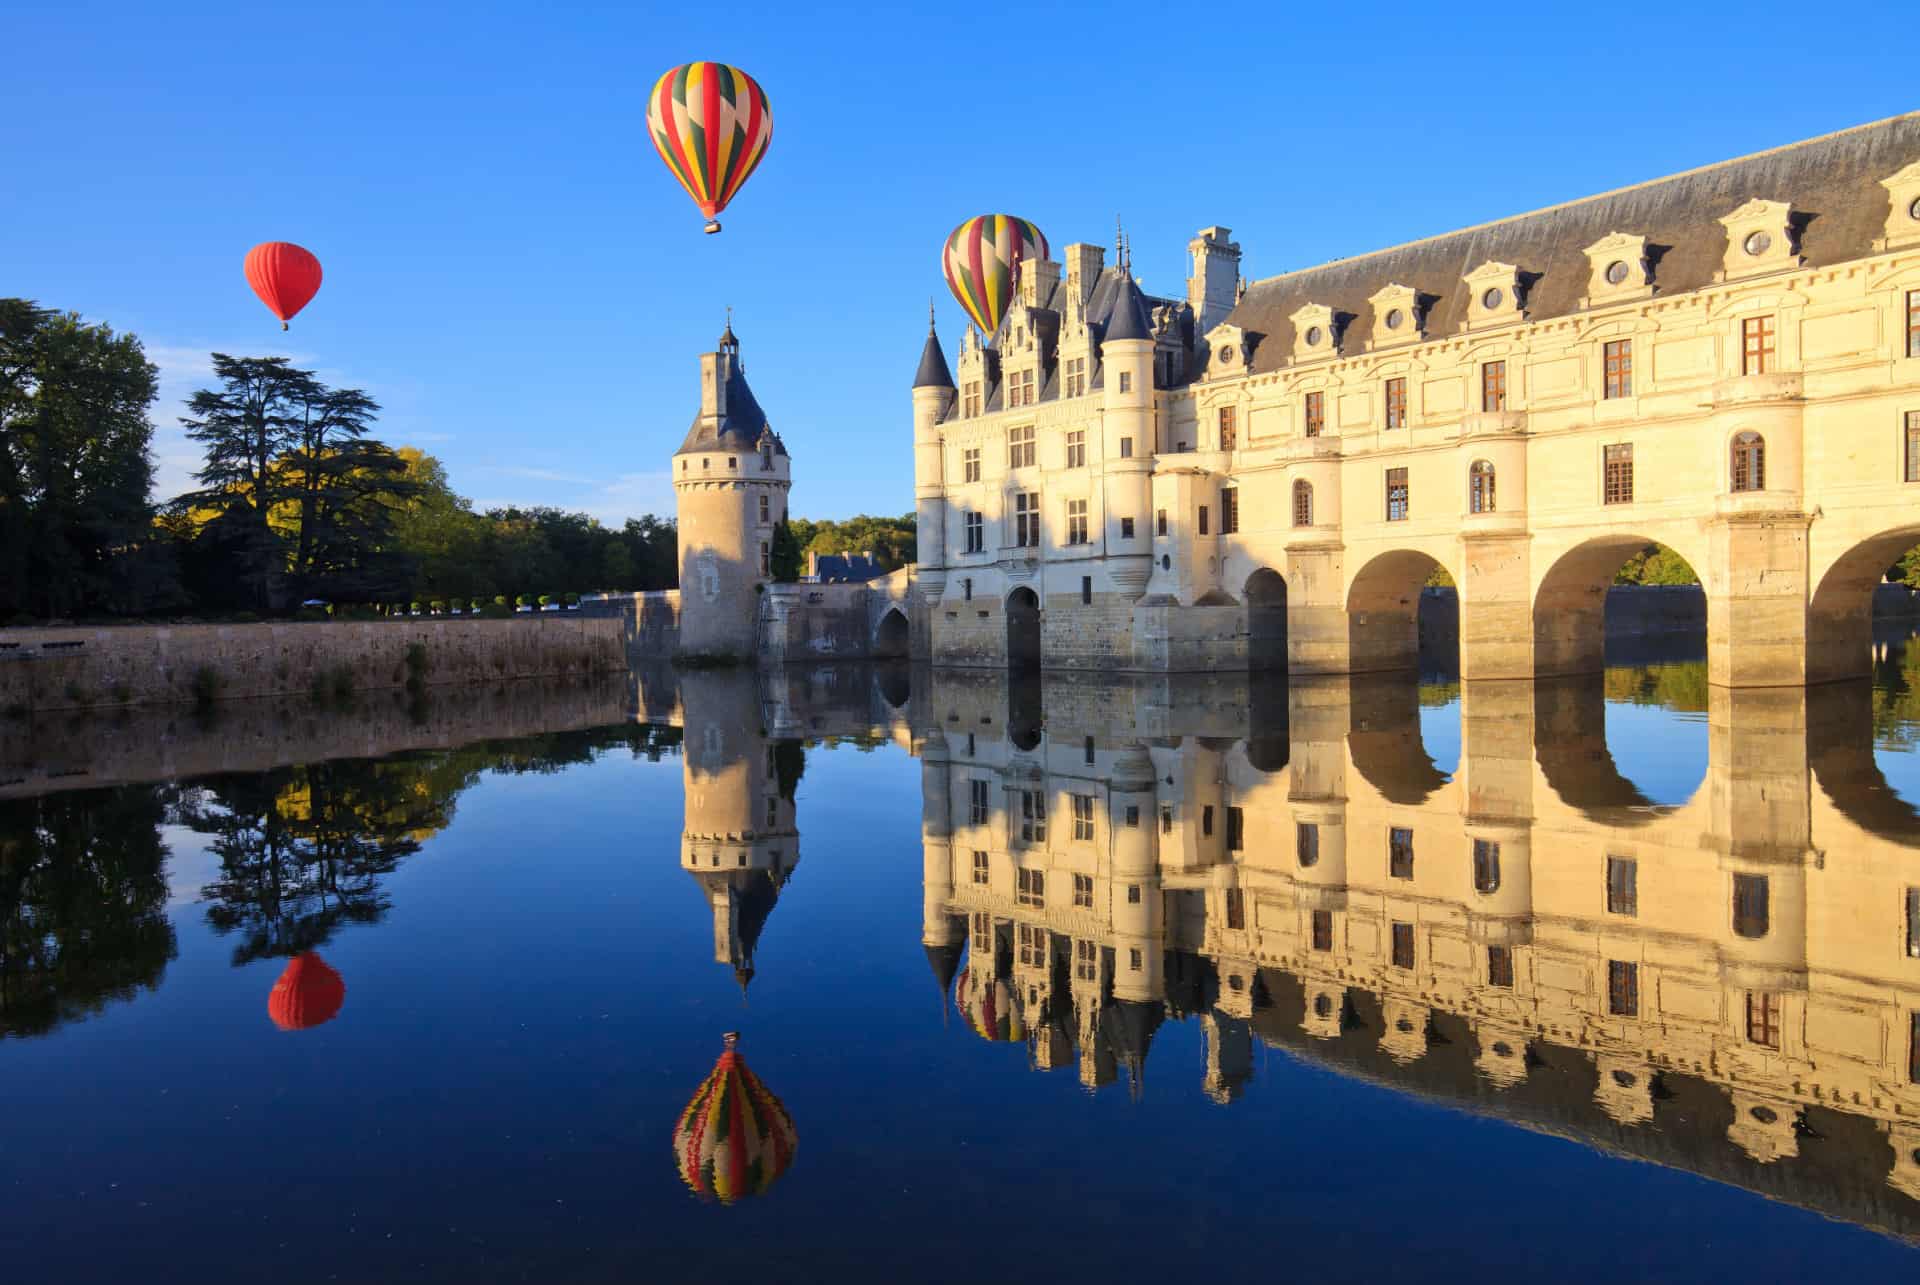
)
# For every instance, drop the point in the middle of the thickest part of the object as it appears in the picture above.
(307, 994)
(734, 1138)
(284, 275)
(711, 124)
(981, 260)
(991, 1007)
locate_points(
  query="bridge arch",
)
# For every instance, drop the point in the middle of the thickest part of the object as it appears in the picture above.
(1570, 600)
(891, 637)
(1023, 629)
(1266, 598)
(1383, 610)
(1840, 609)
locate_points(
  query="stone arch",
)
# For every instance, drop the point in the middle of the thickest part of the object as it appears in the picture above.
(1840, 610)
(1266, 598)
(1578, 764)
(891, 637)
(1570, 604)
(1383, 611)
(1023, 629)
(1840, 741)
(1385, 742)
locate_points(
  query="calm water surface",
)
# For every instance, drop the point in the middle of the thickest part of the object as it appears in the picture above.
(1343, 980)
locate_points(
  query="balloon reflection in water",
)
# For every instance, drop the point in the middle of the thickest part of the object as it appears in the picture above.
(735, 1138)
(990, 1006)
(308, 994)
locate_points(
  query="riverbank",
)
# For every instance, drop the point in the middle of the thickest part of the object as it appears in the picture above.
(50, 669)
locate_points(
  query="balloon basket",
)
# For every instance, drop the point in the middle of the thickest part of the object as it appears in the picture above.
(713, 225)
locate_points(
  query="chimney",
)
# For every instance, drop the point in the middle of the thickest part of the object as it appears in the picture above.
(1037, 280)
(1083, 265)
(1213, 287)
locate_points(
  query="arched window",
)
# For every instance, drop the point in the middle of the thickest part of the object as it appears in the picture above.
(1303, 503)
(1480, 487)
(1486, 866)
(1749, 462)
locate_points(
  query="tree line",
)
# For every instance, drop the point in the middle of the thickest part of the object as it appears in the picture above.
(297, 501)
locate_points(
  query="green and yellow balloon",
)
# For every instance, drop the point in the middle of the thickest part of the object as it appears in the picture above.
(982, 261)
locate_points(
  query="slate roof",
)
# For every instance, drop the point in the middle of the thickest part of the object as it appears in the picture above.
(934, 371)
(739, 429)
(844, 568)
(1832, 183)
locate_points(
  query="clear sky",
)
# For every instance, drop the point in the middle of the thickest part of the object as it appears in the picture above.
(514, 274)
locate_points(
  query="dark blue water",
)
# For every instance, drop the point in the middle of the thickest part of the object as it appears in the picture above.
(532, 993)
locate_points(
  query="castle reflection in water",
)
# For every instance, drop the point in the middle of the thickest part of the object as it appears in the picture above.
(1729, 984)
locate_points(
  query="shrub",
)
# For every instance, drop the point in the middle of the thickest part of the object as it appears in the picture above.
(207, 684)
(523, 600)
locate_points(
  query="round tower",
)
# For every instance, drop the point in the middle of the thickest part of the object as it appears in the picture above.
(933, 394)
(730, 482)
(1126, 358)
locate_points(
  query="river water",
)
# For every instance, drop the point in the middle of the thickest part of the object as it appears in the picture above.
(1036, 978)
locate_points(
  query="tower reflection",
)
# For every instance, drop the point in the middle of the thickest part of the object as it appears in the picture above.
(1728, 983)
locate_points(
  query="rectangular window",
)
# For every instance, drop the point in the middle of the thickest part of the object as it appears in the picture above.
(1913, 923)
(1083, 891)
(1619, 373)
(1402, 945)
(1030, 888)
(1486, 866)
(1126, 381)
(1763, 1019)
(1086, 965)
(1493, 385)
(1500, 967)
(1306, 843)
(970, 464)
(766, 559)
(981, 873)
(966, 595)
(1033, 816)
(1229, 428)
(1229, 510)
(1397, 403)
(1026, 519)
(1236, 909)
(764, 509)
(1133, 815)
(1913, 1049)
(1206, 821)
(1400, 853)
(970, 399)
(1203, 519)
(1166, 820)
(1033, 946)
(1077, 448)
(1076, 521)
(1323, 930)
(1750, 905)
(1020, 388)
(1086, 598)
(1236, 829)
(1076, 376)
(1086, 749)
(1082, 817)
(976, 532)
(1756, 346)
(1133, 894)
(1623, 988)
(977, 793)
(1316, 417)
(1126, 528)
(1160, 522)
(1396, 495)
(1617, 468)
(1020, 449)
(1126, 448)
(1623, 886)
(1302, 503)
(1913, 446)
(1133, 956)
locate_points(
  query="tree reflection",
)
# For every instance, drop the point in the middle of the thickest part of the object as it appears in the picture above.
(83, 896)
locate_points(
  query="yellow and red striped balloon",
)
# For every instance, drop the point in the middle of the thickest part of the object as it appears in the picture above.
(981, 259)
(735, 1138)
(711, 124)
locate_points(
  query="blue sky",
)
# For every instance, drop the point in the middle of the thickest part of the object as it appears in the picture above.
(513, 273)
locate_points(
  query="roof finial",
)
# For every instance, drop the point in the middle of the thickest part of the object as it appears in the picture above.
(931, 327)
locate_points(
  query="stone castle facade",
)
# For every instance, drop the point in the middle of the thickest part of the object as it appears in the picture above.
(1726, 362)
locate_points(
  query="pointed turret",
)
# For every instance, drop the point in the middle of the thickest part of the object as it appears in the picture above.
(934, 371)
(1129, 318)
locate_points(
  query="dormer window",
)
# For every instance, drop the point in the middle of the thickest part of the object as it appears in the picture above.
(1020, 389)
(1759, 239)
(1493, 295)
(970, 399)
(766, 457)
(1076, 376)
(1903, 208)
(1396, 316)
(1618, 269)
(1313, 332)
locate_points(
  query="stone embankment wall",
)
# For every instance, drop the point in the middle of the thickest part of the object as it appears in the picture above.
(84, 749)
(55, 669)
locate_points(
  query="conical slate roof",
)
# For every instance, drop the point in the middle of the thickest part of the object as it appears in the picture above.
(739, 429)
(1129, 319)
(934, 371)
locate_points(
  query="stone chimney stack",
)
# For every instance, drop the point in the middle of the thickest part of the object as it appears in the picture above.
(1215, 278)
(1083, 267)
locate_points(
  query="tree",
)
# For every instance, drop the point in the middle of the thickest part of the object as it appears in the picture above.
(784, 557)
(892, 541)
(75, 466)
(1656, 565)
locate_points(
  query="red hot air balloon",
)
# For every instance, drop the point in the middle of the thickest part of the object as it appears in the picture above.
(735, 1138)
(284, 275)
(307, 994)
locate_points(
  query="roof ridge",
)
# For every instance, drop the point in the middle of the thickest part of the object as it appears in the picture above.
(1583, 200)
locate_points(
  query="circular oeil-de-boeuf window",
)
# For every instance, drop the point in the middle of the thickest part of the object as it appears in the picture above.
(1313, 336)
(1226, 354)
(1616, 272)
(1758, 243)
(1913, 211)
(1395, 318)
(1493, 298)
